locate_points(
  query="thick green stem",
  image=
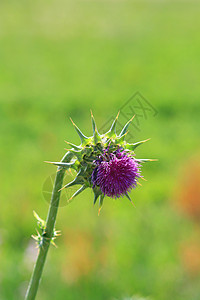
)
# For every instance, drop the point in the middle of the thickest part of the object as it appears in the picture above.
(50, 224)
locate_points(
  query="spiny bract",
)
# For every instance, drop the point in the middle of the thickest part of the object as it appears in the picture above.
(104, 162)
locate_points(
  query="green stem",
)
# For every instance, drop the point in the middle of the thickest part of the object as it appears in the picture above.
(50, 224)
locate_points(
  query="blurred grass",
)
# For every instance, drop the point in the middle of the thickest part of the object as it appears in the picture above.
(60, 59)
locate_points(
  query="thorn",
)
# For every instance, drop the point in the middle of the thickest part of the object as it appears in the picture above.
(82, 188)
(135, 145)
(72, 121)
(126, 126)
(73, 146)
(57, 233)
(70, 171)
(143, 160)
(100, 203)
(52, 242)
(81, 135)
(62, 164)
(113, 126)
(34, 237)
(76, 181)
(35, 214)
(127, 196)
(95, 199)
(91, 113)
(143, 178)
(141, 142)
(147, 140)
(37, 232)
(61, 189)
(97, 193)
(94, 129)
(132, 203)
(122, 138)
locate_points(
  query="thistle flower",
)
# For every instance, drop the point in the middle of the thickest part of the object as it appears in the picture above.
(105, 163)
(115, 173)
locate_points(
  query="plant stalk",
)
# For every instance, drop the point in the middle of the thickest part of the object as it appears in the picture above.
(50, 224)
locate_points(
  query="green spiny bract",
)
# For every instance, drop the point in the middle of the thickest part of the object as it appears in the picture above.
(90, 150)
(41, 237)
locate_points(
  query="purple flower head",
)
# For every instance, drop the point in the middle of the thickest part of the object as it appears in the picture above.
(104, 162)
(115, 173)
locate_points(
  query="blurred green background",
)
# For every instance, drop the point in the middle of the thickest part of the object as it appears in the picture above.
(59, 59)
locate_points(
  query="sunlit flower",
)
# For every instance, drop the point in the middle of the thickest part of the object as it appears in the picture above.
(115, 173)
(104, 162)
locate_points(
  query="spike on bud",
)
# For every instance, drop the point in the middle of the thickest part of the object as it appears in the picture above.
(82, 188)
(97, 193)
(129, 198)
(105, 163)
(112, 130)
(121, 139)
(74, 146)
(78, 153)
(81, 135)
(135, 145)
(76, 181)
(61, 164)
(124, 130)
(96, 135)
(100, 203)
(143, 160)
